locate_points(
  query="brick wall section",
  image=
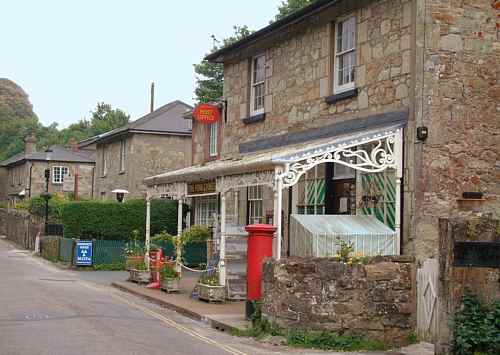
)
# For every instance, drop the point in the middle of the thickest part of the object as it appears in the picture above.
(458, 91)
(374, 300)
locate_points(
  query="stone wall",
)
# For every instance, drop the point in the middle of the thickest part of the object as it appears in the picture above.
(147, 155)
(3, 184)
(455, 280)
(299, 76)
(374, 300)
(457, 91)
(32, 175)
(84, 170)
(19, 227)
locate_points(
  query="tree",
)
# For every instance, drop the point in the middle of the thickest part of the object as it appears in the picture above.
(210, 76)
(289, 6)
(105, 118)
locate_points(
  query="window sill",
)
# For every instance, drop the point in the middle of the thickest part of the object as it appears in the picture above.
(342, 96)
(255, 118)
(57, 183)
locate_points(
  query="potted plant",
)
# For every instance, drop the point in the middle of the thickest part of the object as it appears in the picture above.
(209, 288)
(140, 273)
(169, 278)
(134, 252)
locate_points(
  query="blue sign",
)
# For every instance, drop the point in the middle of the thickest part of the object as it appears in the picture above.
(83, 252)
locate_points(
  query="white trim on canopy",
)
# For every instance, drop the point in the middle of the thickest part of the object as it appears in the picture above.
(371, 151)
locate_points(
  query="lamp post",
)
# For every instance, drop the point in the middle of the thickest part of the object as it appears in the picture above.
(46, 195)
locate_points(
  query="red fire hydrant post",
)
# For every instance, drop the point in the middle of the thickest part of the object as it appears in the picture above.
(260, 246)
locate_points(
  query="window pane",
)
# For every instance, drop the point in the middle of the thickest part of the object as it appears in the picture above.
(213, 139)
(259, 69)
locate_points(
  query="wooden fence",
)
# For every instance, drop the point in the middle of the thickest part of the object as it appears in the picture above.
(20, 227)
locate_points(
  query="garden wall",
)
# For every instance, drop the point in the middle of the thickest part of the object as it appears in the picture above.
(476, 277)
(375, 300)
(19, 227)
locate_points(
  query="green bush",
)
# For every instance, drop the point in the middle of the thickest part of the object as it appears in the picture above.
(36, 206)
(3, 204)
(195, 234)
(476, 327)
(113, 220)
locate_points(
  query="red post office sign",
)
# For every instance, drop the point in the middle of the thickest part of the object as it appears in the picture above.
(206, 113)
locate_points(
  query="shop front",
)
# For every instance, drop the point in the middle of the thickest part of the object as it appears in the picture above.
(349, 176)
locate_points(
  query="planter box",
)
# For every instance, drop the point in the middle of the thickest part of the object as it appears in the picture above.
(139, 276)
(211, 293)
(131, 262)
(170, 285)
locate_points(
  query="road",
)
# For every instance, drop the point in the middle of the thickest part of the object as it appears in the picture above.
(49, 311)
(45, 310)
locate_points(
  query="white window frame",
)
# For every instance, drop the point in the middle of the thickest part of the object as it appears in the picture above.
(213, 139)
(253, 86)
(59, 177)
(337, 89)
(123, 154)
(205, 208)
(255, 204)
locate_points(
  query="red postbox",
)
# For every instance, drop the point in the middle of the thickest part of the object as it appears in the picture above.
(260, 246)
(155, 263)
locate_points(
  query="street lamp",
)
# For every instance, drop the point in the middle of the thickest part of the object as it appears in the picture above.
(46, 195)
(120, 194)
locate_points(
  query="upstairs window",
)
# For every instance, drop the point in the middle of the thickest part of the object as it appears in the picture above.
(123, 154)
(58, 174)
(345, 54)
(258, 85)
(213, 135)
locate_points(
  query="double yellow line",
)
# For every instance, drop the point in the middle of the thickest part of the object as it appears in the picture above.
(174, 324)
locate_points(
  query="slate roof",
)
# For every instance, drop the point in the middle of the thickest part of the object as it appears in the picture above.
(57, 153)
(168, 119)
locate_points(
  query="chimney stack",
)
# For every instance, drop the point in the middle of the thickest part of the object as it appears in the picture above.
(152, 97)
(30, 144)
(73, 145)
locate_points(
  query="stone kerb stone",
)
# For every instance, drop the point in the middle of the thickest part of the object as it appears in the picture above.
(373, 300)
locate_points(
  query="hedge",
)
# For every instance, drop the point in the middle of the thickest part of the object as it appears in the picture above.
(116, 221)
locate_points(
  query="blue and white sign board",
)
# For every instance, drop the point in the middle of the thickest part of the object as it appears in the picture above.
(83, 252)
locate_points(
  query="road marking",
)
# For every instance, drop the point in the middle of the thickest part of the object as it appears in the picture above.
(171, 322)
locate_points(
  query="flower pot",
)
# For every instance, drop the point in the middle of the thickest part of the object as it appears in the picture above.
(132, 261)
(211, 293)
(170, 284)
(139, 276)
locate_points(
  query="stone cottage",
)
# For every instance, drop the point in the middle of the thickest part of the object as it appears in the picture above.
(159, 141)
(381, 108)
(71, 171)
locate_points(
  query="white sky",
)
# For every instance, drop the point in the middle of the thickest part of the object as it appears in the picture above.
(68, 54)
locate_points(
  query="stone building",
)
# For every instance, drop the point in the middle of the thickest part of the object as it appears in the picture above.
(71, 172)
(159, 141)
(386, 108)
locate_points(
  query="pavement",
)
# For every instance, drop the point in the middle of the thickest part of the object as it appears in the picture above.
(227, 316)
(47, 310)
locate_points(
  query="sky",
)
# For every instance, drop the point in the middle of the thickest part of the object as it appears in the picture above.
(70, 55)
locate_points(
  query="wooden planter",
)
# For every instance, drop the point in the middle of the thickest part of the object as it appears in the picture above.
(139, 276)
(211, 293)
(131, 262)
(170, 285)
